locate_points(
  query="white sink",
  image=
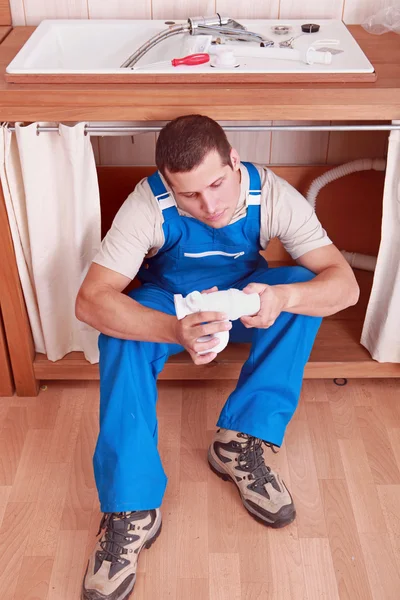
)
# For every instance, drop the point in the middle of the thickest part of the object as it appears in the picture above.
(101, 46)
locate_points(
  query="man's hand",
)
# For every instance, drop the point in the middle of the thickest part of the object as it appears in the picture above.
(196, 325)
(272, 303)
(192, 327)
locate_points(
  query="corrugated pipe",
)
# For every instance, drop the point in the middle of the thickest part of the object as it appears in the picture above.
(355, 259)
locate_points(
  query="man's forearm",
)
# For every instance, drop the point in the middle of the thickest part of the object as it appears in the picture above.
(117, 315)
(326, 294)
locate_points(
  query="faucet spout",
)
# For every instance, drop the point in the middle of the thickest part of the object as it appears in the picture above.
(227, 27)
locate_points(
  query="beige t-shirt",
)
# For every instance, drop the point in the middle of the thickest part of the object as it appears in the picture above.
(137, 230)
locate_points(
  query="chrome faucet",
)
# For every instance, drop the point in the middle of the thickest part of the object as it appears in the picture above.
(225, 26)
(199, 26)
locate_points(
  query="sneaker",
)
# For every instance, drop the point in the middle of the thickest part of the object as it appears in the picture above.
(111, 570)
(238, 457)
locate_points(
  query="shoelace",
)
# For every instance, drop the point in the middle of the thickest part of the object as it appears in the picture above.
(252, 459)
(112, 548)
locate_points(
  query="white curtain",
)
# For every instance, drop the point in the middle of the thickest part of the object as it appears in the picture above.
(52, 199)
(381, 331)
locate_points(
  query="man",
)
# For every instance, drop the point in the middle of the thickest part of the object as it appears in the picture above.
(199, 223)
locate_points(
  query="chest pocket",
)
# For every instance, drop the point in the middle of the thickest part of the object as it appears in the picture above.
(239, 259)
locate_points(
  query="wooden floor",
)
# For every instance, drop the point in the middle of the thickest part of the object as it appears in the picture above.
(341, 460)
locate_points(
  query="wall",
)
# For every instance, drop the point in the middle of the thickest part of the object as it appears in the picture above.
(276, 148)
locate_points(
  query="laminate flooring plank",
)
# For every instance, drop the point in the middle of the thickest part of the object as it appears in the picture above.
(340, 459)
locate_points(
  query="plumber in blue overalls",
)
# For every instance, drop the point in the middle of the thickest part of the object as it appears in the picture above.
(200, 252)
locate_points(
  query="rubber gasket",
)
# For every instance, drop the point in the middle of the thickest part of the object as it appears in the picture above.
(310, 28)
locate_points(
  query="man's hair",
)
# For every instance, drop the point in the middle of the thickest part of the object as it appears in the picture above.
(184, 143)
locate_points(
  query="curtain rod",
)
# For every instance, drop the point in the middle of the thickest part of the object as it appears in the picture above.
(98, 130)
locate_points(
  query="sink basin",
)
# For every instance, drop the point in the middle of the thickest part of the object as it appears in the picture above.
(99, 47)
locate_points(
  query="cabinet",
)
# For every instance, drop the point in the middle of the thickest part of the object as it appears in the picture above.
(337, 352)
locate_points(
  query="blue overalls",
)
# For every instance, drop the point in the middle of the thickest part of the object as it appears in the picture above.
(128, 470)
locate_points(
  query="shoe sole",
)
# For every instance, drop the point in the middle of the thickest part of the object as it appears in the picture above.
(274, 524)
(129, 591)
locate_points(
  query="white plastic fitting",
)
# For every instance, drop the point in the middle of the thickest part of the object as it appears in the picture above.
(225, 60)
(198, 43)
(232, 302)
(222, 55)
(314, 57)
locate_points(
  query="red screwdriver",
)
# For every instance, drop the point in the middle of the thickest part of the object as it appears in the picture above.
(191, 59)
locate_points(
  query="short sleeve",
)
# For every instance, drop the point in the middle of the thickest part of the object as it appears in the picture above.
(287, 215)
(135, 232)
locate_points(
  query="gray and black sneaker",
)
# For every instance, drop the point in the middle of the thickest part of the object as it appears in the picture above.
(111, 570)
(238, 457)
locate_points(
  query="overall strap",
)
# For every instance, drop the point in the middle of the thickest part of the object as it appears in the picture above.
(253, 204)
(253, 196)
(165, 199)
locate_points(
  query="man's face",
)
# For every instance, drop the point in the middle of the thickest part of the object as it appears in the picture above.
(210, 192)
